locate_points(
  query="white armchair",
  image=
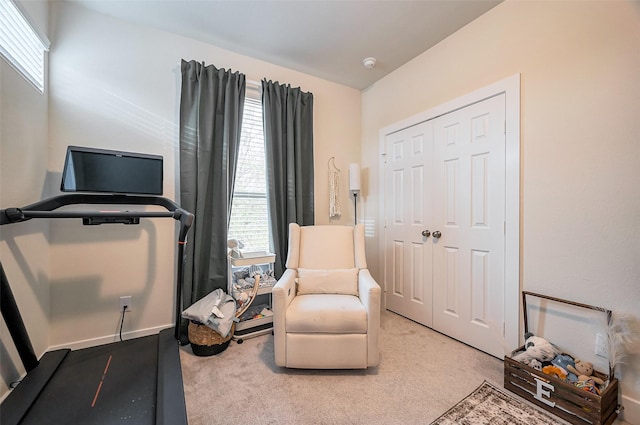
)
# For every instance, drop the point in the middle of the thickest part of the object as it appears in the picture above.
(326, 305)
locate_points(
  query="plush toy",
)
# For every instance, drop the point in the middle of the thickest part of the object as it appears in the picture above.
(235, 246)
(564, 361)
(584, 371)
(536, 364)
(242, 297)
(554, 370)
(536, 348)
(588, 385)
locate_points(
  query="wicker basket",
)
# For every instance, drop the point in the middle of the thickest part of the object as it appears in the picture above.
(207, 342)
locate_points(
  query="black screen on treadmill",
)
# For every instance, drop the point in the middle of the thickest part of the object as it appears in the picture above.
(102, 170)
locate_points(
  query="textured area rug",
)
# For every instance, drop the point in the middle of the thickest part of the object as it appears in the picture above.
(489, 404)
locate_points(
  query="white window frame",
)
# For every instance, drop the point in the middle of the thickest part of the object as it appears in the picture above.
(21, 45)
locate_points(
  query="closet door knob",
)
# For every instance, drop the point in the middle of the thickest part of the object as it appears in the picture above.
(437, 234)
(426, 233)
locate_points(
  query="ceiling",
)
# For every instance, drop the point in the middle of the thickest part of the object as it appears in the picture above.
(326, 39)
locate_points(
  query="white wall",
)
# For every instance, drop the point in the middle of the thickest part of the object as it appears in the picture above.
(23, 171)
(116, 86)
(580, 97)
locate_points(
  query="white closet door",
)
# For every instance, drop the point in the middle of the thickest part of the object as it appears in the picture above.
(469, 256)
(408, 213)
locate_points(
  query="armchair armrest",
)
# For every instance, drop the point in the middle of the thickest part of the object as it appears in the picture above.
(369, 293)
(285, 289)
(282, 294)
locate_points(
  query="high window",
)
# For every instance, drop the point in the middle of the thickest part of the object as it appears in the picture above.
(249, 222)
(20, 44)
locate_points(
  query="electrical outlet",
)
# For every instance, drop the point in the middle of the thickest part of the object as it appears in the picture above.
(601, 346)
(125, 302)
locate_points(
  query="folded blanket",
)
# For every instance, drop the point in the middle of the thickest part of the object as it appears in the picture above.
(216, 310)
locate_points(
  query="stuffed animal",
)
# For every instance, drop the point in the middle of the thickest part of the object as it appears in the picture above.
(584, 371)
(564, 361)
(235, 246)
(588, 385)
(536, 348)
(553, 370)
(536, 364)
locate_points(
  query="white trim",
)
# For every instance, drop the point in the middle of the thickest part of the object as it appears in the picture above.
(631, 410)
(254, 84)
(382, 279)
(253, 89)
(510, 86)
(92, 342)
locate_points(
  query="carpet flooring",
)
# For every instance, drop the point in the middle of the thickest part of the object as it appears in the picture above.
(421, 375)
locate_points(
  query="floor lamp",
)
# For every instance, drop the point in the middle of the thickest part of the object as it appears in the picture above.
(354, 187)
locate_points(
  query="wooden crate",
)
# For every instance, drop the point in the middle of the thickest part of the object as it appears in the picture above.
(563, 399)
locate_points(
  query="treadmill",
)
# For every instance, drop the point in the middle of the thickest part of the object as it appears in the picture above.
(136, 381)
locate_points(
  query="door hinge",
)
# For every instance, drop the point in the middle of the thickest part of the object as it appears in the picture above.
(504, 227)
(505, 126)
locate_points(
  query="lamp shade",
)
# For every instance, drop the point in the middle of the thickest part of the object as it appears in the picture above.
(354, 177)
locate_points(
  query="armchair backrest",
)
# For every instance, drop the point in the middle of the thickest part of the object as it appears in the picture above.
(326, 247)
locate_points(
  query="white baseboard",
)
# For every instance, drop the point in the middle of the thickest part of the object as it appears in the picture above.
(631, 411)
(77, 345)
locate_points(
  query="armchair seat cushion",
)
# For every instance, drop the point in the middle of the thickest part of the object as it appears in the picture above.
(326, 313)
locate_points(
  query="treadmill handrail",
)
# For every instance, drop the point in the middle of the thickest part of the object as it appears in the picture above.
(46, 209)
(59, 201)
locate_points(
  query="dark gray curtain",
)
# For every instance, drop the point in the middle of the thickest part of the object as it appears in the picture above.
(288, 134)
(211, 106)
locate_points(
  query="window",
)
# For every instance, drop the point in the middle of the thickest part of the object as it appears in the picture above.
(249, 222)
(20, 44)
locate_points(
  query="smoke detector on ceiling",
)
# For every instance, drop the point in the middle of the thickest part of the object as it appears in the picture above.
(369, 63)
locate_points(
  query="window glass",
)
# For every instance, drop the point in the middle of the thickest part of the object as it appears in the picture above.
(20, 45)
(249, 220)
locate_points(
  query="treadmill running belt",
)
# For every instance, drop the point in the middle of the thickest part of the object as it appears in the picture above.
(107, 384)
